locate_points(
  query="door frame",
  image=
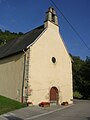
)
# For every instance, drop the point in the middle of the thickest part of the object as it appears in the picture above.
(57, 92)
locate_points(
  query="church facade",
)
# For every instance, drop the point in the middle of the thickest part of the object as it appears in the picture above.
(37, 67)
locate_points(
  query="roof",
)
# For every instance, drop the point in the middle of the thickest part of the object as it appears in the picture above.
(19, 44)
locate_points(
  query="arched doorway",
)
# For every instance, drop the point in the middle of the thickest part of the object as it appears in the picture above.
(54, 95)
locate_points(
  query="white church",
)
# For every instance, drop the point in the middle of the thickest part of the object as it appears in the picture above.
(37, 66)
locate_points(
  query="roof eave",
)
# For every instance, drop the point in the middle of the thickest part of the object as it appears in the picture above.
(36, 38)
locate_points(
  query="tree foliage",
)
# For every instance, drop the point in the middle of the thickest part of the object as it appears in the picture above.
(6, 35)
(81, 76)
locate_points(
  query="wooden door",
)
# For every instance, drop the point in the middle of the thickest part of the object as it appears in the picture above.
(54, 95)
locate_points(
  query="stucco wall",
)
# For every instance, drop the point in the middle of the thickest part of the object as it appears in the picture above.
(43, 73)
(11, 76)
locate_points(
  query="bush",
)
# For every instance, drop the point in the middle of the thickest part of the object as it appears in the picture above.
(77, 95)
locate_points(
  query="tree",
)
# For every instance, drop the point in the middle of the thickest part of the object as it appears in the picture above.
(7, 35)
(0, 30)
(20, 33)
(84, 83)
(81, 76)
(77, 63)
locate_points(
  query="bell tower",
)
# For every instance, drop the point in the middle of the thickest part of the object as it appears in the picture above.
(51, 16)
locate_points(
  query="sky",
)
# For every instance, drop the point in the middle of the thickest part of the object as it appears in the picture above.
(25, 15)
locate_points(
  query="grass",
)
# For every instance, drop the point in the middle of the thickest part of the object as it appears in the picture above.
(7, 105)
(77, 95)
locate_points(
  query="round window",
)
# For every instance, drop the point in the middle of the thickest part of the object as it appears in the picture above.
(53, 59)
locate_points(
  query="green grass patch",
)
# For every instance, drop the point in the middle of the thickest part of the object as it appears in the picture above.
(7, 105)
(77, 95)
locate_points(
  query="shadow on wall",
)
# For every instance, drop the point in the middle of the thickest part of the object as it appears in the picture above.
(8, 59)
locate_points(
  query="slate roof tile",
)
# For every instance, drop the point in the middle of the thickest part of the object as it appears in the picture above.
(18, 44)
